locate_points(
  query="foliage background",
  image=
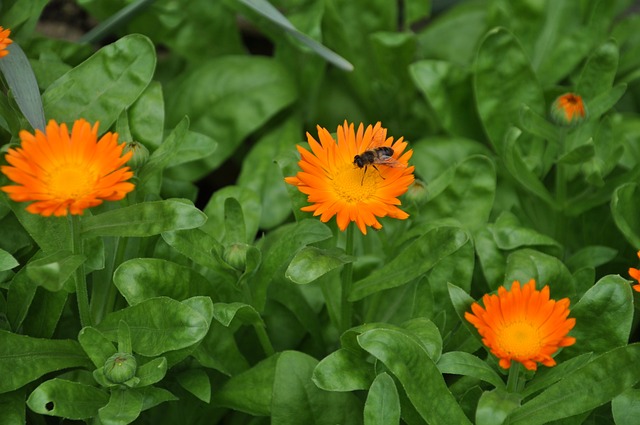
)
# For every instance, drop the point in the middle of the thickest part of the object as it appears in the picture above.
(229, 296)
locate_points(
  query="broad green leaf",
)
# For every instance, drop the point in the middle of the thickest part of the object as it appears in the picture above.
(13, 411)
(603, 316)
(310, 263)
(169, 280)
(526, 264)
(151, 372)
(124, 407)
(105, 84)
(494, 406)
(416, 259)
(344, 370)
(626, 407)
(45, 311)
(586, 388)
(545, 377)
(219, 350)
(427, 333)
(538, 125)
(24, 359)
(158, 325)
(503, 86)
(230, 109)
(19, 76)
(509, 234)
(461, 363)
(145, 219)
(225, 313)
(296, 399)
(146, 117)
(383, 404)
(52, 271)
(67, 399)
(251, 391)
(591, 256)
(217, 215)
(97, 346)
(599, 72)
(624, 213)
(197, 382)
(265, 9)
(152, 396)
(417, 373)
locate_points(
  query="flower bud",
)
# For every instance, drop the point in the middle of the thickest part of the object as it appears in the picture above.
(417, 192)
(568, 109)
(236, 255)
(120, 368)
(140, 154)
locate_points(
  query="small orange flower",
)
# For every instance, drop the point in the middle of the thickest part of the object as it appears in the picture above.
(569, 109)
(65, 172)
(523, 325)
(4, 41)
(337, 185)
(635, 273)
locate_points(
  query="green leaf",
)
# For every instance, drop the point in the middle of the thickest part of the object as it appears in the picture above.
(417, 373)
(602, 103)
(67, 399)
(219, 350)
(97, 346)
(265, 9)
(24, 359)
(538, 125)
(52, 271)
(344, 370)
(586, 388)
(22, 82)
(158, 325)
(623, 208)
(416, 259)
(196, 381)
(13, 411)
(218, 216)
(123, 408)
(250, 391)
(169, 280)
(383, 404)
(603, 317)
(494, 406)
(105, 84)
(311, 263)
(225, 313)
(146, 117)
(461, 363)
(153, 396)
(626, 407)
(7, 261)
(509, 234)
(503, 86)
(296, 400)
(526, 264)
(591, 256)
(579, 154)
(151, 372)
(145, 219)
(599, 72)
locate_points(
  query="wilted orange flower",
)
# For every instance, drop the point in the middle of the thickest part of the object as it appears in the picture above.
(65, 172)
(569, 109)
(523, 325)
(635, 273)
(337, 185)
(4, 41)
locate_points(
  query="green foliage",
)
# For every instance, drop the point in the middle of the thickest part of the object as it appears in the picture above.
(206, 296)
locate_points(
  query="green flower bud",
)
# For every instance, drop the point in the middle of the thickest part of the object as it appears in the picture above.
(236, 255)
(569, 109)
(417, 192)
(120, 368)
(140, 154)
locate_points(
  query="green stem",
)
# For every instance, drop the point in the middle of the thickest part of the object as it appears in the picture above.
(513, 381)
(561, 192)
(82, 294)
(347, 282)
(265, 342)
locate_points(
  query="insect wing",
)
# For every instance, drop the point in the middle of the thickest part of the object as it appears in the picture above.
(390, 161)
(377, 139)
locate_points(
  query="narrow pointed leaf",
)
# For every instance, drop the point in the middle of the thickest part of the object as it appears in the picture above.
(383, 403)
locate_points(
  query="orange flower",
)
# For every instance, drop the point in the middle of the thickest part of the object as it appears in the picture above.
(635, 273)
(65, 172)
(354, 190)
(4, 41)
(523, 325)
(569, 109)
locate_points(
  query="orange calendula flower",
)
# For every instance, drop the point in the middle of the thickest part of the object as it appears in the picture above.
(4, 41)
(569, 109)
(523, 325)
(635, 273)
(357, 179)
(67, 172)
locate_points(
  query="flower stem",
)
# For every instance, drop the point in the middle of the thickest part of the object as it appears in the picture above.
(347, 282)
(265, 342)
(82, 294)
(513, 381)
(561, 192)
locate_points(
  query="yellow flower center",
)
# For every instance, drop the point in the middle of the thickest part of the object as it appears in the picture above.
(520, 339)
(71, 182)
(353, 184)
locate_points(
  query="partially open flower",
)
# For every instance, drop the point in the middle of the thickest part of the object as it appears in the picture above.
(4, 41)
(635, 273)
(523, 325)
(568, 109)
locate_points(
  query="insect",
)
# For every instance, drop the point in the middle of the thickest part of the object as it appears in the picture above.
(376, 155)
